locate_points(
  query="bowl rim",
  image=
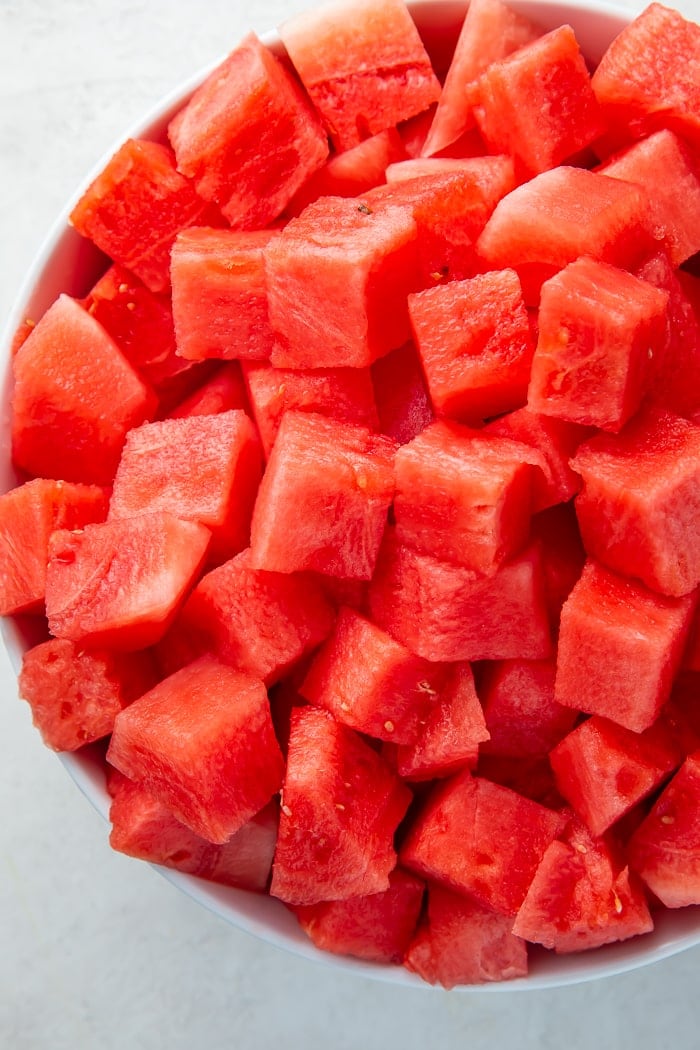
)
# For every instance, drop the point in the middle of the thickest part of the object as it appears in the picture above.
(239, 907)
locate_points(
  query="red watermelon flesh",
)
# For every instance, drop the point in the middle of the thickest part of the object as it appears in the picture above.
(563, 556)
(341, 806)
(521, 715)
(400, 394)
(118, 584)
(29, 514)
(530, 777)
(337, 280)
(475, 345)
(75, 398)
(75, 693)
(462, 942)
(248, 137)
(199, 468)
(620, 646)
(681, 715)
(345, 394)
(639, 508)
(136, 206)
(490, 31)
(226, 609)
(414, 134)
(665, 848)
(494, 176)
(377, 927)
(649, 76)
(480, 839)
(145, 828)
(222, 392)
(317, 464)
(219, 294)
(363, 64)
(582, 897)
(371, 682)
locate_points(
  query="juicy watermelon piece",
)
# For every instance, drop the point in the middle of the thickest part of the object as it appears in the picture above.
(341, 807)
(531, 777)
(143, 827)
(521, 715)
(603, 769)
(414, 134)
(260, 622)
(345, 394)
(28, 516)
(490, 31)
(453, 732)
(560, 215)
(363, 64)
(400, 394)
(136, 206)
(649, 77)
(537, 104)
(475, 344)
(338, 277)
(582, 897)
(620, 646)
(352, 172)
(639, 509)
(599, 330)
(464, 497)
(674, 198)
(480, 839)
(665, 848)
(446, 612)
(75, 397)
(219, 294)
(248, 138)
(202, 742)
(377, 927)
(494, 176)
(462, 942)
(372, 683)
(563, 556)
(118, 584)
(318, 463)
(200, 468)
(75, 693)
(222, 392)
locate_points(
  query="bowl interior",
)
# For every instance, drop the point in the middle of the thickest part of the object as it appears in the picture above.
(67, 263)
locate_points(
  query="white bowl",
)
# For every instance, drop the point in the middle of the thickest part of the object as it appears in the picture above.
(67, 263)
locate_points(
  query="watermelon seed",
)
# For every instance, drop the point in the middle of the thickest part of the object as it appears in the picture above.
(580, 848)
(343, 706)
(389, 726)
(426, 687)
(286, 810)
(364, 209)
(618, 904)
(123, 289)
(339, 805)
(131, 306)
(666, 819)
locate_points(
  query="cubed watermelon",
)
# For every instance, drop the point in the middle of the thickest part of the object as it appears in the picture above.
(400, 393)
(521, 715)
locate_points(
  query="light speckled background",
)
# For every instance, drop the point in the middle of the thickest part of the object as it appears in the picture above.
(97, 950)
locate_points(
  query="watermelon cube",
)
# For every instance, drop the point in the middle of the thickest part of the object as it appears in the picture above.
(582, 897)
(639, 508)
(371, 682)
(462, 942)
(74, 399)
(599, 331)
(345, 394)
(337, 279)
(603, 769)
(75, 693)
(248, 137)
(480, 839)
(118, 583)
(649, 76)
(665, 848)
(28, 516)
(446, 612)
(475, 344)
(199, 468)
(521, 715)
(341, 806)
(493, 176)
(135, 207)
(537, 104)
(219, 294)
(202, 742)
(317, 464)
(620, 646)
(223, 391)
(377, 927)
(363, 64)
(563, 556)
(261, 622)
(400, 394)
(463, 496)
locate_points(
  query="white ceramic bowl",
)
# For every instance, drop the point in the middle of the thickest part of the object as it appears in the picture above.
(67, 263)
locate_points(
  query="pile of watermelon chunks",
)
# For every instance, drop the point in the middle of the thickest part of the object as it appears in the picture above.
(362, 500)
